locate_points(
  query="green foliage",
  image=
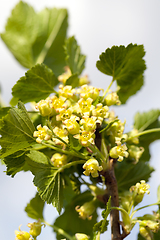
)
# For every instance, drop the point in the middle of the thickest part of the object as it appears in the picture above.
(37, 37)
(3, 111)
(34, 208)
(47, 179)
(126, 66)
(70, 221)
(129, 174)
(101, 226)
(74, 59)
(16, 131)
(38, 83)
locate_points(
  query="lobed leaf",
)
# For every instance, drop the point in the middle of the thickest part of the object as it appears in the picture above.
(34, 208)
(126, 66)
(47, 179)
(38, 83)
(75, 60)
(16, 131)
(37, 37)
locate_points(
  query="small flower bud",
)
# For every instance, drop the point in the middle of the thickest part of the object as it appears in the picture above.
(35, 228)
(112, 99)
(81, 236)
(135, 152)
(92, 167)
(44, 108)
(22, 235)
(59, 160)
(86, 210)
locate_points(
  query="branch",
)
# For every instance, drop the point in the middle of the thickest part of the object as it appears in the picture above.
(111, 183)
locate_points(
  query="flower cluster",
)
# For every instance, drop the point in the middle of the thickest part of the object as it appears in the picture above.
(77, 113)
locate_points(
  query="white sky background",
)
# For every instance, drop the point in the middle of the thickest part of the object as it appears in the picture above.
(96, 25)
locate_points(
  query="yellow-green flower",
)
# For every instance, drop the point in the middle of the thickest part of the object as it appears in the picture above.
(35, 228)
(139, 190)
(112, 99)
(22, 235)
(89, 92)
(72, 125)
(86, 210)
(59, 160)
(64, 114)
(92, 167)
(61, 133)
(116, 130)
(135, 152)
(119, 152)
(44, 107)
(85, 138)
(43, 133)
(67, 91)
(84, 107)
(100, 112)
(59, 104)
(88, 123)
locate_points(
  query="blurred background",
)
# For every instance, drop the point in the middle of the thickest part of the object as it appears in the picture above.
(96, 25)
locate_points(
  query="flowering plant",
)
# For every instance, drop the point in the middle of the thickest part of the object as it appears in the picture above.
(70, 137)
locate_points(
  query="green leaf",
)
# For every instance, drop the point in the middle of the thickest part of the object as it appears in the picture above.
(70, 221)
(4, 111)
(37, 37)
(125, 92)
(16, 131)
(147, 120)
(15, 163)
(34, 208)
(47, 179)
(128, 174)
(73, 80)
(75, 60)
(126, 66)
(38, 83)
